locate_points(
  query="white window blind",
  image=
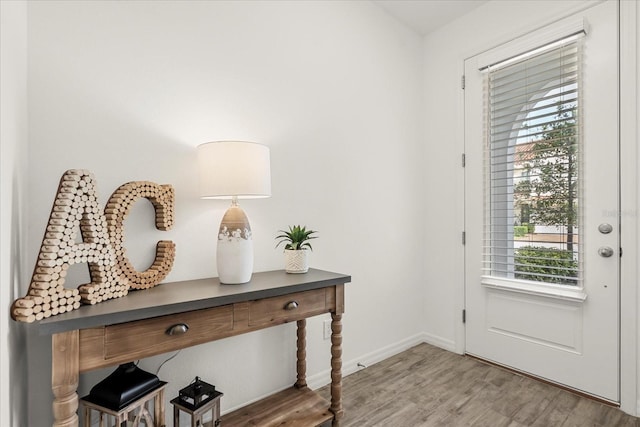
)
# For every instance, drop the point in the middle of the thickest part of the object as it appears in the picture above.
(532, 166)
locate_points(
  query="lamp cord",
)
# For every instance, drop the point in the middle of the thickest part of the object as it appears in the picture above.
(162, 364)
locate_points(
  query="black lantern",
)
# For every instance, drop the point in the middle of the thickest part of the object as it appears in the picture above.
(127, 396)
(201, 401)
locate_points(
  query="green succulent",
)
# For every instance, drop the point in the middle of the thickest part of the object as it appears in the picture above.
(296, 238)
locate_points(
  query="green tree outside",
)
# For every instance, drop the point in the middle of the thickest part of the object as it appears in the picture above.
(550, 195)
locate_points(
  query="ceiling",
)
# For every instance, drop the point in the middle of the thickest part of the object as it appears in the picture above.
(425, 16)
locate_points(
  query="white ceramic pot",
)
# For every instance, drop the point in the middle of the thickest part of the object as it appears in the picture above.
(296, 261)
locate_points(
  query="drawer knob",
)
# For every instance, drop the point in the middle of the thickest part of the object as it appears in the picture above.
(291, 305)
(178, 329)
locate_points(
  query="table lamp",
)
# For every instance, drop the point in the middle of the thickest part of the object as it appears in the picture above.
(234, 170)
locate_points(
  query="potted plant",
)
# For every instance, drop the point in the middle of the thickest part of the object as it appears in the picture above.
(296, 243)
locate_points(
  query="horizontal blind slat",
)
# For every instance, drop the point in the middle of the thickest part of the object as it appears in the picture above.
(514, 98)
(568, 96)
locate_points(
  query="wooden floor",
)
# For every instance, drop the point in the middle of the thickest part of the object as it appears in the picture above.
(428, 386)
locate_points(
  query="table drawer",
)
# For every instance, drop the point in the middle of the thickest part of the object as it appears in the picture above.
(287, 308)
(151, 336)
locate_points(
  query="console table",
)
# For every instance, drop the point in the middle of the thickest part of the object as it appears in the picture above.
(176, 315)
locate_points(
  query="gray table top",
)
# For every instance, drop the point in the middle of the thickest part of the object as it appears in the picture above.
(177, 297)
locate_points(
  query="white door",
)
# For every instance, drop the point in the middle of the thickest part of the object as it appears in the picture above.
(542, 234)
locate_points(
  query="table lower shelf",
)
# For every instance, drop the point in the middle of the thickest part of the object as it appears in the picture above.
(292, 407)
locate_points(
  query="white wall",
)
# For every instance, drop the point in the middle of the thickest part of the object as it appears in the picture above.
(445, 50)
(13, 149)
(128, 89)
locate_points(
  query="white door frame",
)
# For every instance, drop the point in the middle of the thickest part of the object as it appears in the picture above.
(629, 186)
(629, 27)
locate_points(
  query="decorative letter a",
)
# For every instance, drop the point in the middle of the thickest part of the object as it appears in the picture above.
(75, 208)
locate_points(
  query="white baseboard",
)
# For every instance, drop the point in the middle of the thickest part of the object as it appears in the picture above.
(349, 367)
(443, 343)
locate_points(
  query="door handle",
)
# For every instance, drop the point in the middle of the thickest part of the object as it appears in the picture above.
(605, 251)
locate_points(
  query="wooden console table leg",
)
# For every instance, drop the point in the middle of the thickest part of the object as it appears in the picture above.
(301, 367)
(158, 408)
(65, 372)
(336, 368)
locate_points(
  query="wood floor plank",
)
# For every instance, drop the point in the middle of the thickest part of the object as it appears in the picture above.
(558, 411)
(291, 407)
(426, 386)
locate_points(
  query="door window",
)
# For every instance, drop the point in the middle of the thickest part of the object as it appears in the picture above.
(532, 166)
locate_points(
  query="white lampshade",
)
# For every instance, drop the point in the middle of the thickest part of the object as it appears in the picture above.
(234, 168)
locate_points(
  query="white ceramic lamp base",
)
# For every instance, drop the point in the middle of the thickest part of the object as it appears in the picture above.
(235, 247)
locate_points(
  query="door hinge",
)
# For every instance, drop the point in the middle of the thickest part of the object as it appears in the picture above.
(462, 82)
(464, 160)
(464, 316)
(464, 237)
